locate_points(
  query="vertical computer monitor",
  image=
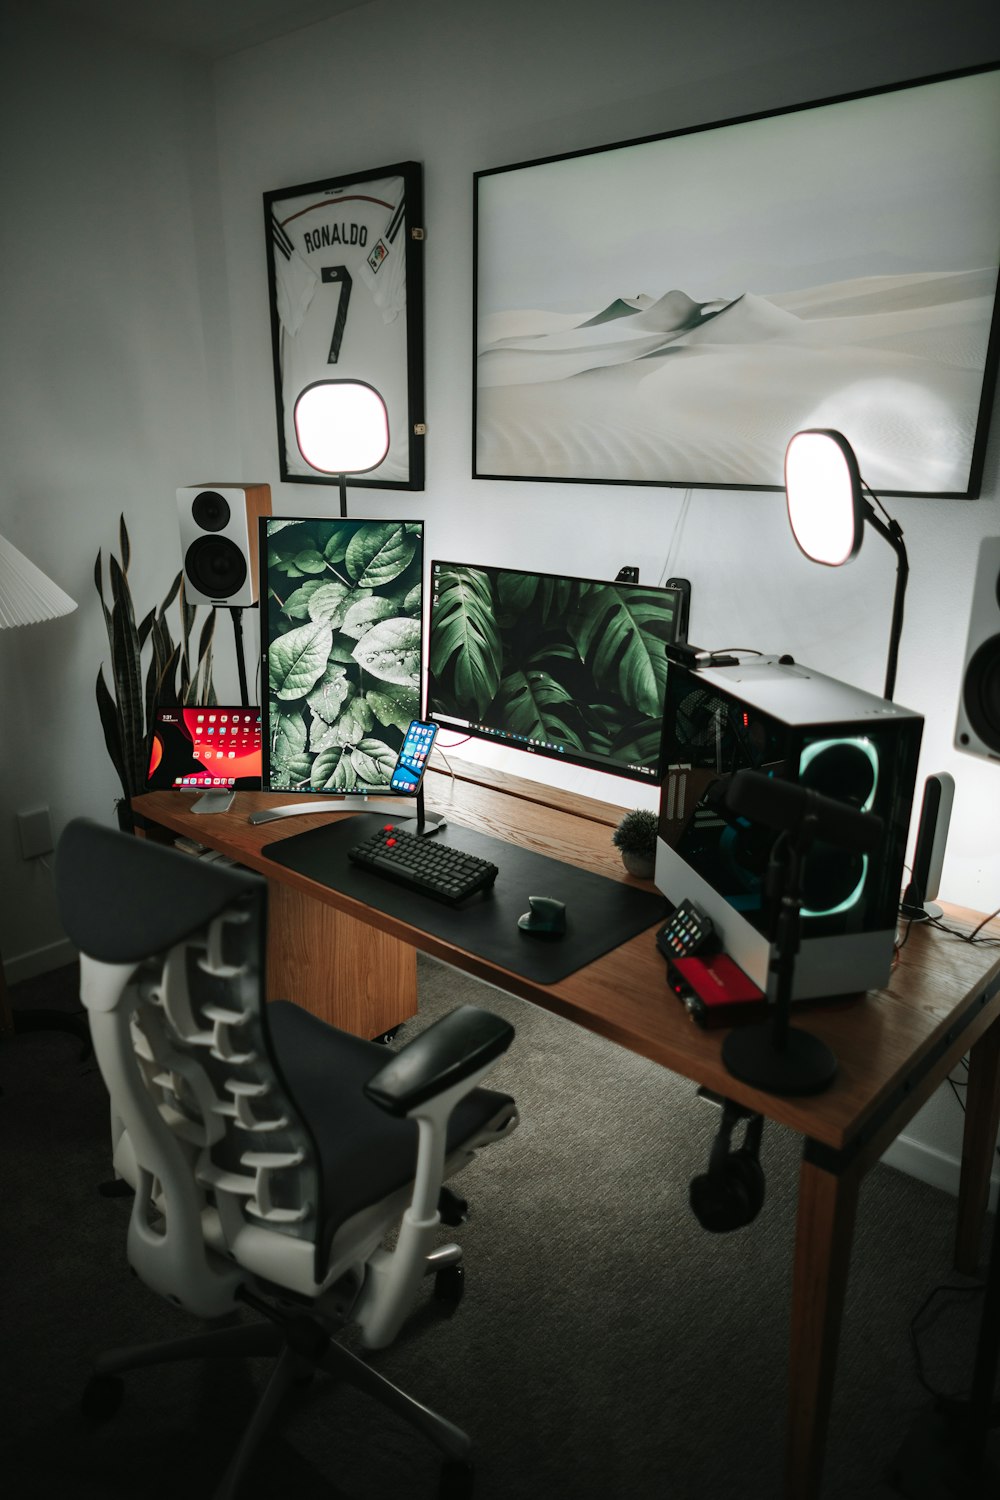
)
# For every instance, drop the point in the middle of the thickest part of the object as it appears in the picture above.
(574, 669)
(341, 642)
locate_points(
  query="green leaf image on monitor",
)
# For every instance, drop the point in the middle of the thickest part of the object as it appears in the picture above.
(572, 668)
(341, 649)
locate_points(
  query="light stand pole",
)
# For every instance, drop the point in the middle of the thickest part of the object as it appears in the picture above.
(893, 534)
(236, 613)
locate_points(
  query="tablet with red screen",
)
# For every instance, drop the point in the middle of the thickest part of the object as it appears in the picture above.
(205, 748)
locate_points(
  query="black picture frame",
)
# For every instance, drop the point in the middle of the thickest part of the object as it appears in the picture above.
(361, 235)
(670, 310)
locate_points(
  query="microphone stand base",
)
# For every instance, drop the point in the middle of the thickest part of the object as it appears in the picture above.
(805, 1065)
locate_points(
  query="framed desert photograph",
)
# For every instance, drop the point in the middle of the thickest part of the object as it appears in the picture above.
(672, 310)
(345, 276)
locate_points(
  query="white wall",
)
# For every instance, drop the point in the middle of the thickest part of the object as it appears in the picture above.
(114, 370)
(136, 353)
(461, 87)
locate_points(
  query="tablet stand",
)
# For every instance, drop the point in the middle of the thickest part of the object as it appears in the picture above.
(214, 801)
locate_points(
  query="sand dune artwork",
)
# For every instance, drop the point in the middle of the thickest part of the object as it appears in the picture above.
(671, 311)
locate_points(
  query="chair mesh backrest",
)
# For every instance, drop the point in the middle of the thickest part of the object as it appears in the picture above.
(228, 1177)
(198, 1035)
(200, 1041)
(172, 967)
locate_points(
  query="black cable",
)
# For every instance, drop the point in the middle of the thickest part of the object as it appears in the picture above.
(956, 1084)
(973, 935)
(905, 938)
(953, 1401)
(728, 650)
(967, 937)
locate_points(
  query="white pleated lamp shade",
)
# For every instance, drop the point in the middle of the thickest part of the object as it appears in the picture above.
(27, 595)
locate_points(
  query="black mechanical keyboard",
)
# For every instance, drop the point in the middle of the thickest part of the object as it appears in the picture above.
(424, 865)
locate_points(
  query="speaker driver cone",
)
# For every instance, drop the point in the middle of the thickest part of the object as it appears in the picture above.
(981, 692)
(216, 566)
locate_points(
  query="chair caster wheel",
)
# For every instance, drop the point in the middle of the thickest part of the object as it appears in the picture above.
(449, 1284)
(102, 1398)
(457, 1480)
(453, 1209)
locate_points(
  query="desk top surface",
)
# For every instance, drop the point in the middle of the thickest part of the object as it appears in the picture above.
(881, 1039)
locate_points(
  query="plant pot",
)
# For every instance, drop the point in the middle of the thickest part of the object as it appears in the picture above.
(639, 865)
(128, 820)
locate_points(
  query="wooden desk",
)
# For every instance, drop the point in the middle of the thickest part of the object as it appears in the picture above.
(357, 968)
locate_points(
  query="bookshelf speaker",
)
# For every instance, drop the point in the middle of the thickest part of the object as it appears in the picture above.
(978, 728)
(218, 525)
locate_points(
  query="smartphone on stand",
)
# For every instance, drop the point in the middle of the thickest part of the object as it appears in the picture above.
(412, 760)
(408, 773)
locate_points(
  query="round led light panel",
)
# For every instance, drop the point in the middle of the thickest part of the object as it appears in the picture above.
(341, 426)
(823, 490)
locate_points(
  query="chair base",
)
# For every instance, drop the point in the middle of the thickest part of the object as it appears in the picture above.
(301, 1346)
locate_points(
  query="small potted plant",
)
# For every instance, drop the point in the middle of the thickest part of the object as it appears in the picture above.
(635, 836)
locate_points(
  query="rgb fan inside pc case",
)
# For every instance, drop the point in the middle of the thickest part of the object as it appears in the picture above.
(791, 722)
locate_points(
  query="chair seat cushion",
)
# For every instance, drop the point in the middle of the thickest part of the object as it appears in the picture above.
(365, 1154)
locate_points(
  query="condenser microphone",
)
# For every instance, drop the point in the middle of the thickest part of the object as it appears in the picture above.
(785, 805)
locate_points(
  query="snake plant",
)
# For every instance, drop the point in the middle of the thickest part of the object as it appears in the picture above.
(171, 674)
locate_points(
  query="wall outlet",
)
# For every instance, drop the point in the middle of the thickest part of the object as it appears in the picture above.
(35, 831)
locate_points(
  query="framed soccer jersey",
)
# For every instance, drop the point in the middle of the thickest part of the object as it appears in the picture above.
(345, 272)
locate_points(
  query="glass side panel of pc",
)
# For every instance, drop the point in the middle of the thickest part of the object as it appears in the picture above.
(570, 668)
(341, 641)
(793, 723)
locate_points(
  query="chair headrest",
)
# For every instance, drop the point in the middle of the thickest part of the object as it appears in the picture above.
(123, 898)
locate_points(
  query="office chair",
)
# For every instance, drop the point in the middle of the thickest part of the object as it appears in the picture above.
(270, 1153)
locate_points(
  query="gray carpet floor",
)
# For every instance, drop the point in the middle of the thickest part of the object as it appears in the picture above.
(606, 1344)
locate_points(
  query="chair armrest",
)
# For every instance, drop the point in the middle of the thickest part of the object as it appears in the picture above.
(457, 1047)
(424, 1080)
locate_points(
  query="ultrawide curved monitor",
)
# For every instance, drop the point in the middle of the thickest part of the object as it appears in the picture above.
(573, 669)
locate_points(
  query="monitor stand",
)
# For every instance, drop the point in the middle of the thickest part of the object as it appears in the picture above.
(926, 911)
(406, 812)
(214, 802)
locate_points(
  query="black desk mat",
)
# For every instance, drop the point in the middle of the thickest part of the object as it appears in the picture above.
(600, 913)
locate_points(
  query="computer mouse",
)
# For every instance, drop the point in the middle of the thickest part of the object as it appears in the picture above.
(546, 915)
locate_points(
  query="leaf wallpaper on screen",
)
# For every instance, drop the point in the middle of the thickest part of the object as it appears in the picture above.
(564, 661)
(344, 650)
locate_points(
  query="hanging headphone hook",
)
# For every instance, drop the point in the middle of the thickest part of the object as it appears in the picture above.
(731, 1193)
